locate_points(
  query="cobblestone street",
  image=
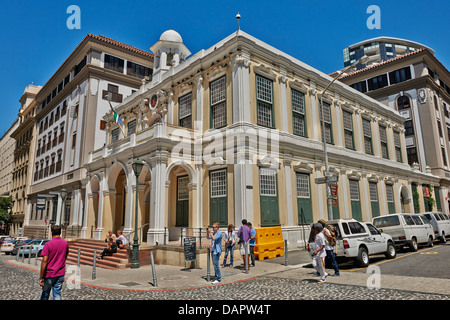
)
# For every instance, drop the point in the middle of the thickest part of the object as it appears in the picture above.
(18, 283)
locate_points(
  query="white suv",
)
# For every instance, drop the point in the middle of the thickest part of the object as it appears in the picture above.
(358, 240)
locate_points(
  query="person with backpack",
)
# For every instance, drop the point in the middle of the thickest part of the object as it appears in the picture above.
(329, 232)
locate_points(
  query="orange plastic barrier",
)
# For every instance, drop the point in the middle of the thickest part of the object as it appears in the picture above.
(269, 243)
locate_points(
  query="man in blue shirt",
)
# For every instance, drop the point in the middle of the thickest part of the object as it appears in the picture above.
(252, 243)
(216, 247)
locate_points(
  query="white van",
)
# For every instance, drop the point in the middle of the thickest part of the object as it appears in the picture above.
(441, 224)
(406, 229)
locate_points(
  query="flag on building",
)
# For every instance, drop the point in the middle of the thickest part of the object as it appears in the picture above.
(117, 118)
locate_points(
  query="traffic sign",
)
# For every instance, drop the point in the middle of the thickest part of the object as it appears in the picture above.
(327, 179)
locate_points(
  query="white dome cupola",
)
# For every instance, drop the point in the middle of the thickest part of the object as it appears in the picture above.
(169, 52)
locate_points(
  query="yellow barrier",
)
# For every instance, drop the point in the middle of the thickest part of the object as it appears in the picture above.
(269, 243)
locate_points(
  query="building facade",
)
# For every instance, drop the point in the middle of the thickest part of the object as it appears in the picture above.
(417, 86)
(24, 137)
(234, 132)
(7, 146)
(69, 125)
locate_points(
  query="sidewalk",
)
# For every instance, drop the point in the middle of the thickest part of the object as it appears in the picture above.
(170, 277)
(177, 278)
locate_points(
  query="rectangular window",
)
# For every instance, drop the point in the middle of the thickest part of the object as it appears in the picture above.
(444, 158)
(409, 128)
(390, 193)
(80, 66)
(114, 63)
(377, 82)
(112, 93)
(367, 136)
(373, 192)
(218, 96)
(264, 101)
(412, 155)
(398, 149)
(138, 71)
(114, 135)
(348, 129)
(298, 113)
(131, 127)
(383, 140)
(360, 86)
(303, 187)
(268, 184)
(185, 110)
(400, 75)
(354, 190)
(327, 121)
(218, 183)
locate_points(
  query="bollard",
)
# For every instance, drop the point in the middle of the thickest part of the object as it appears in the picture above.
(29, 255)
(36, 257)
(286, 260)
(208, 262)
(23, 255)
(18, 254)
(94, 275)
(78, 262)
(246, 257)
(155, 281)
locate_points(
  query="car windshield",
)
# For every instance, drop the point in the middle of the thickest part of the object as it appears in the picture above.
(36, 242)
(386, 221)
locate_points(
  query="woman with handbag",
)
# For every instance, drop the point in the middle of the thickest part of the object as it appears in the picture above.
(230, 240)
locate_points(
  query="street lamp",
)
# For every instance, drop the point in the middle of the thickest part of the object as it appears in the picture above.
(63, 194)
(137, 168)
(363, 59)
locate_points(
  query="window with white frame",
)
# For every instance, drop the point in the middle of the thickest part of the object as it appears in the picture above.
(303, 186)
(264, 101)
(267, 181)
(185, 110)
(373, 192)
(218, 181)
(398, 148)
(298, 113)
(348, 129)
(390, 193)
(131, 127)
(367, 131)
(218, 96)
(114, 135)
(354, 190)
(383, 140)
(327, 122)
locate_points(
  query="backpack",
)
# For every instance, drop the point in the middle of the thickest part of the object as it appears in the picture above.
(332, 230)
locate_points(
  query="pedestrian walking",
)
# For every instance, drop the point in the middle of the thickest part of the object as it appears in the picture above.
(216, 244)
(230, 241)
(53, 265)
(319, 254)
(252, 243)
(330, 241)
(244, 235)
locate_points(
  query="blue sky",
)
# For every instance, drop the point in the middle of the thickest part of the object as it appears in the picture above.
(36, 41)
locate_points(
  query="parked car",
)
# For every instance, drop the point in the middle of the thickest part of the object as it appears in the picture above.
(441, 224)
(357, 241)
(7, 238)
(18, 244)
(8, 247)
(34, 246)
(409, 229)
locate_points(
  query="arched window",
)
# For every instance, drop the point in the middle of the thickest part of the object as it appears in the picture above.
(403, 102)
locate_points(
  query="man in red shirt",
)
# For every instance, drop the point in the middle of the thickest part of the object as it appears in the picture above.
(53, 265)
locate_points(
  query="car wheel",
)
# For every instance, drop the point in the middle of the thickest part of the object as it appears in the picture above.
(391, 253)
(363, 258)
(430, 241)
(413, 246)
